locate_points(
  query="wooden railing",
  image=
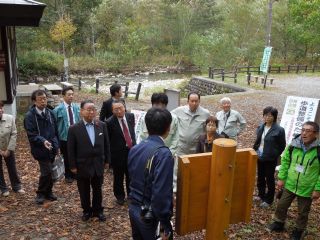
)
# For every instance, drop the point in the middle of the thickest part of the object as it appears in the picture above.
(222, 73)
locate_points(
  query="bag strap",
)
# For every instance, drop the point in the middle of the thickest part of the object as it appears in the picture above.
(148, 168)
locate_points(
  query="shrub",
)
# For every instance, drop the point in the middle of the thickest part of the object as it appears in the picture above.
(40, 62)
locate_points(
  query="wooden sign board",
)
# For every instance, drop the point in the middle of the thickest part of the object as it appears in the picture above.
(193, 190)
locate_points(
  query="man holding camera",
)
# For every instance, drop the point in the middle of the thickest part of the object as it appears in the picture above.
(231, 122)
(151, 194)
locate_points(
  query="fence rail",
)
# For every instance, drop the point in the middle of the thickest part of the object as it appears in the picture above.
(97, 86)
(219, 72)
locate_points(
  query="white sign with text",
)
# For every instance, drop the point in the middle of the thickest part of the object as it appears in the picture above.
(297, 111)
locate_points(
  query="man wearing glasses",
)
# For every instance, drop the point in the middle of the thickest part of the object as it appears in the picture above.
(299, 176)
(89, 154)
(41, 129)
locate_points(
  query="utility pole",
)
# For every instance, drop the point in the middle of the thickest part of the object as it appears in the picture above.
(268, 33)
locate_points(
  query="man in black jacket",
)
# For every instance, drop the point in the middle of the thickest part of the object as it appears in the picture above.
(122, 138)
(106, 110)
(41, 129)
(89, 153)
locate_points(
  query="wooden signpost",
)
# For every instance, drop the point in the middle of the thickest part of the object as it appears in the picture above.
(215, 189)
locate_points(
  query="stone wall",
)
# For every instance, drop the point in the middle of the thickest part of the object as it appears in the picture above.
(206, 86)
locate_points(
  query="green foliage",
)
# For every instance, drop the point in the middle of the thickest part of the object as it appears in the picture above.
(112, 34)
(40, 62)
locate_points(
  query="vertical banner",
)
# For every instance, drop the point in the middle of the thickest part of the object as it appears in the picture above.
(138, 119)
(265, 60)
(297, 111)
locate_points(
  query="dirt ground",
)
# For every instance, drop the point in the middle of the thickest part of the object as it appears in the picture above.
(21, 218)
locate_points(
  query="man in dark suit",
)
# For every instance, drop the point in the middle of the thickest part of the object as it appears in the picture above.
(89, 153)
(106, 110)
(122, 138)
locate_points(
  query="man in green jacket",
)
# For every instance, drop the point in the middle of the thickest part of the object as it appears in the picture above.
(299, 175)
(66, 114)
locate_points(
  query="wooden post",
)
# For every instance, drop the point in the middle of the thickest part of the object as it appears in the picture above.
(235, 77)
(279, 69)
(97, 85)
(298, 68)
(288, 68)
(313, 68)
(306, 68)
(249, 78)
(138, 91)
(220, 191)
(79, 84)
(126, 91)
(222, 75)
(209, 72)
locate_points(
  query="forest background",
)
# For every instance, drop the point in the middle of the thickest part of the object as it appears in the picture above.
(113, 35)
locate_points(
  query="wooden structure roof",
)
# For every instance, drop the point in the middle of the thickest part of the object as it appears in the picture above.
(20, 12)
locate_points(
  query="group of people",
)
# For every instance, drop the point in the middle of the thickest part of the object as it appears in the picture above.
(145, 173)
(298, 176)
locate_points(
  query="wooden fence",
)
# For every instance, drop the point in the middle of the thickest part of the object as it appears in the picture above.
(125, 85)
(222, 73)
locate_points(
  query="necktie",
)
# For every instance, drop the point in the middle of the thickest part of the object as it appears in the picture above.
(126, 134)
(70, 115)
(43, 115)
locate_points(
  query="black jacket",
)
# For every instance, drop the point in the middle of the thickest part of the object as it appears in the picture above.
(117, 141)
(274, 142)
(39, 129)
(87, 159)
(106, 109)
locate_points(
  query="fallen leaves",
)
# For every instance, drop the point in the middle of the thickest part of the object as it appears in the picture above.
(21, 218)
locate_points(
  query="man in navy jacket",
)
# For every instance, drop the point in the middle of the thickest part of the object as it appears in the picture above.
(151, 184)
(41, 129)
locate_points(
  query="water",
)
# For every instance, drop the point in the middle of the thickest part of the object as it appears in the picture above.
(150, 82)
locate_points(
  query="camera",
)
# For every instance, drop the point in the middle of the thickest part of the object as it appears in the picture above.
(146, 214)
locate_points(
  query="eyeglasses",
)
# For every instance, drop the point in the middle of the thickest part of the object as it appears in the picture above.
(307, 130)
(91, 109)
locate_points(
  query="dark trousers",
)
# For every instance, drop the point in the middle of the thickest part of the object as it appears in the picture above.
(140, 229)
(119, 173)
(84, 185)
(266, 170)
(64, 151)
(304, 206)
(13, 174)
(45, 179)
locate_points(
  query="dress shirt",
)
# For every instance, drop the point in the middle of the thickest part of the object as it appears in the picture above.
(41, 111)
(90, 131)
(125, 122)
(66, 105)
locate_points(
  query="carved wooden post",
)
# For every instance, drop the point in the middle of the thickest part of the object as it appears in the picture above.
(220, 188)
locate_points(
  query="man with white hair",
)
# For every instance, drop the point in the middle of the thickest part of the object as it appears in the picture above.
(231, 122)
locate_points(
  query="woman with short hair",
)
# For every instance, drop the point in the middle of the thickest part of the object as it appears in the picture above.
(206, 140)
(269, 145)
